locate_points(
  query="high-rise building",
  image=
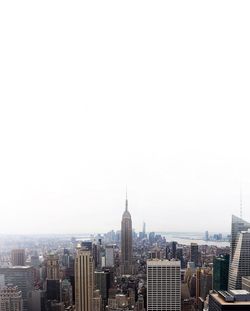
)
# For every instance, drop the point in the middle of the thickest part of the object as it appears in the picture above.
(126, 242)
(246, 283)
(173, 249)
(220, 272)
(240, 263)
(237, 226)
(109, 256)
(11, 299)
(194, 254)
(179, 256)
(37, 300)
(84, 280)
(23, 278)
(163, 285)
(52, 266)
(238, 300)
(102, 283)
(18, 257)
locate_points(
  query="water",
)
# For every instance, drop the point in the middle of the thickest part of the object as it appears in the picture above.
(186, 240)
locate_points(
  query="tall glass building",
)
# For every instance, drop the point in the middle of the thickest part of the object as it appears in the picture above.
(240, 263)
(220, 272)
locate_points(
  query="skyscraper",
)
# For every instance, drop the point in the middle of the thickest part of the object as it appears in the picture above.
(126, 242)
(18, 257)
(238, 300)
(238, 254)
(109, 255)
(220, 272)
(238, 225)
(52, 267)
(240, 263)
(84, 280)
(11, 299)
(163, 285)
(23, 278)
(194, 254)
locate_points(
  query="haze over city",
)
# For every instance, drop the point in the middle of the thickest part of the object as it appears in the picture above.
(94, 101)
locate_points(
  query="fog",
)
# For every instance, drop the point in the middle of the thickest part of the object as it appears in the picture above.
(97, 96)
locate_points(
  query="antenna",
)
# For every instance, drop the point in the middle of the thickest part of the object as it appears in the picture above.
(240, 201)
(126, 205)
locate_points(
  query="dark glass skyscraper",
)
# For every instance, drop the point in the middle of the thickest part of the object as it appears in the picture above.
(194, 254)
(220, 272)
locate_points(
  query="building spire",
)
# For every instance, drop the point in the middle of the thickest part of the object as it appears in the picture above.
(126, 204)
(241, 201)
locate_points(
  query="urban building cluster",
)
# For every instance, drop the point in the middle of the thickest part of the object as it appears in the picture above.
(124, 270)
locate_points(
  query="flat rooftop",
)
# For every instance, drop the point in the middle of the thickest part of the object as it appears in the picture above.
(218, 298)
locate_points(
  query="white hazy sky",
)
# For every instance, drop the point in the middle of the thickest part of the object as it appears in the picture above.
(97, 95)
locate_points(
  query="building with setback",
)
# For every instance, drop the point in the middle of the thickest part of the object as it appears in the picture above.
(84, 280)
(238, 300)
(240, 264)
(126, 242)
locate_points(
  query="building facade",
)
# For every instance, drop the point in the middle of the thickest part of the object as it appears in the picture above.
(126, 242)
(163, 285)
(11, 299)
(84, 280)
(220, 272)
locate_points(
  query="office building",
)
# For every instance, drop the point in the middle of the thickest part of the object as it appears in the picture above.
(240, 264)
(84, 280)
(37, 300)
(18, 257)
(246, 283)
(52, 265)
(163, 285)
(238, 300)
(126, 242)
(237, 226)
(109, 256)
(220, 272)
(102, 283)
(23, 278)
(11, 299)
(173, 249)
(194, 254)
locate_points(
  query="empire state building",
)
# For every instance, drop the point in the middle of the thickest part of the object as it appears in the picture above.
(126, 242)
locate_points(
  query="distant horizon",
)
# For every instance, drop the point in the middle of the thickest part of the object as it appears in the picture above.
(149, 95)
(101, 233)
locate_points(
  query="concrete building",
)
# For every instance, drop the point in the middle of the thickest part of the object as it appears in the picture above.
(109, 256)
(163, 285)
(11, 299)
(84, 280)
(18, 257)
(37, 300)
(126, 242)
(52, 266)
(23, 278)
(238, 300)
